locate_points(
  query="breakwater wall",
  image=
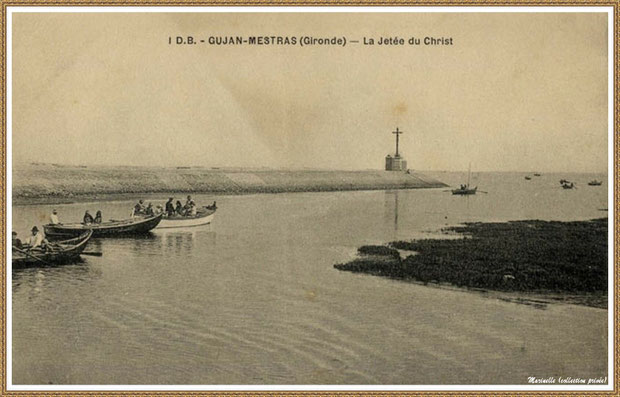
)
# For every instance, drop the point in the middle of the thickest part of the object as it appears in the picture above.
(45, 182)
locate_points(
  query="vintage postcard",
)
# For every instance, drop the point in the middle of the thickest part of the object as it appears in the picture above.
(320, 199)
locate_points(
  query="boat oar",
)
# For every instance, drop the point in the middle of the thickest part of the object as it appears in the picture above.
(92, 253)
(32, 256)
(482, 191)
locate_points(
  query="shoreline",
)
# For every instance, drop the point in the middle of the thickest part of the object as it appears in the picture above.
(163, 195)
(49, 184)
(530, 262)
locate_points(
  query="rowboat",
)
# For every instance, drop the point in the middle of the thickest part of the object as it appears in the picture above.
(57, 253)
(465, 190)
(568, 185)
(595, 183)
(528, 178)
(202, 217)
(112, 228)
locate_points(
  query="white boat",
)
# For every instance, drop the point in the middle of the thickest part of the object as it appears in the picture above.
(202, 217)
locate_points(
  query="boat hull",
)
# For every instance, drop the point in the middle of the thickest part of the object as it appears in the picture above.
(107, 229)
(464, 192)
(182, 222)
(62, 252)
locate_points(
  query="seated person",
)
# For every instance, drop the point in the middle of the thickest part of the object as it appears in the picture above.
(139, 209)
(17, 243)
(179, 209)
(54, 218)
(37, 239)
(88, 218)
(98, 217)
(170, 207)
(150, 211)
(189, 203)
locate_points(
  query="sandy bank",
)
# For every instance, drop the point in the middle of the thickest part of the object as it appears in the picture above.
(49, 183)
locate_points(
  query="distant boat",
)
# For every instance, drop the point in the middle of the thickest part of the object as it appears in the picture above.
(111, 228)
(536, 174)
(568, 185)
(528, 178)
(57, 253)
(595, 183)
(465, 190)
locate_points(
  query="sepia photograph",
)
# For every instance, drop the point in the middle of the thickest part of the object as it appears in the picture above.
(299, 198)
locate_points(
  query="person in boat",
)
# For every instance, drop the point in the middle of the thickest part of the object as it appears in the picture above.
(191, 211)
(16, 242)
(170, 207)
(212, 206)
(188, 205)
(179, 210)
(54, 218)
(98, 217)
(88, 218)
(149, 211)
(139, 208)
(37, 239)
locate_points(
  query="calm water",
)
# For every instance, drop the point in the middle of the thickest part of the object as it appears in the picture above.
(254, 298)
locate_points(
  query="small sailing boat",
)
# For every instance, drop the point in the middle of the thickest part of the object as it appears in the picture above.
(465, 190)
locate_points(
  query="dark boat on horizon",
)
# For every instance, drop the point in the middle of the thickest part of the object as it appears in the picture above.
(56, 253)
(112, 228)
(595, 183)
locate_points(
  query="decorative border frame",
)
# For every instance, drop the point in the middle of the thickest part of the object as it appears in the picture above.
(615, 4)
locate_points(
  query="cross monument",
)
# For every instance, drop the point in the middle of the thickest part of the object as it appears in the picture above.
(397, 132)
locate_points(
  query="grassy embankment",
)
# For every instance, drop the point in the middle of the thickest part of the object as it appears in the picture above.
(524, 256)
(57, 183)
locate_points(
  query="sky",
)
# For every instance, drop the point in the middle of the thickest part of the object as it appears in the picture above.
(515, 91)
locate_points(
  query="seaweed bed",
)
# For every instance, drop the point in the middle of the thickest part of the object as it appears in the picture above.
(524, 256)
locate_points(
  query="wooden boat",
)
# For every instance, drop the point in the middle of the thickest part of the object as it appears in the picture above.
(110, 228)
(536, 174)
(465, 190)
(568, 185)
(595, 183)
(57, 253)
(528, 178)
(202, 217)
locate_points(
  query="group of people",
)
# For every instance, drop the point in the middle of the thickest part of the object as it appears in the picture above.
(36, 239)
(171, 208)
(141, 209)
(189, 209)
(88, 218)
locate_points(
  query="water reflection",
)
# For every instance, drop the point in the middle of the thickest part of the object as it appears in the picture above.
(390, 214)
(43, 277)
